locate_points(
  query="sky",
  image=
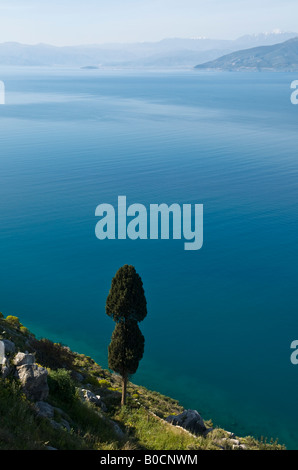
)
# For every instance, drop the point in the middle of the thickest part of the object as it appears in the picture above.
(73, 22)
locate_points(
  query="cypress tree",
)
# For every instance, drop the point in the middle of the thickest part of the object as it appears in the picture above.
(126, 304)
(126, 299)
(125, 351)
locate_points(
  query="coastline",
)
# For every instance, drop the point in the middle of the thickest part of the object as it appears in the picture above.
(146, 408)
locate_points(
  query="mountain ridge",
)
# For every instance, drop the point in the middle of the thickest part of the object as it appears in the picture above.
(168, 52)
(278, 57)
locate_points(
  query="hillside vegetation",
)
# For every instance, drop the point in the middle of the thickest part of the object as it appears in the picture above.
(82, 409)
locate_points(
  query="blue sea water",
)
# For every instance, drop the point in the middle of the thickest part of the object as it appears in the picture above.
(220, 320)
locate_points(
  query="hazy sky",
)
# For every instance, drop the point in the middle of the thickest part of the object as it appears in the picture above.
(67, 22)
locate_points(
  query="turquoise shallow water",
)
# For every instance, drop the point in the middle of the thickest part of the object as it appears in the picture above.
(220, 320)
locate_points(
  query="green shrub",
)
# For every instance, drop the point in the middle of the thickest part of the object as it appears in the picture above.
(61, 385)
(52, 355)
(91, 380)
(25, 331)
(104, 383)
(14, 321)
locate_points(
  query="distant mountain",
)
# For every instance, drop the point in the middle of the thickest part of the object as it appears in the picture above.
(265, 39)
(279, 57)
(172, 52)
(46, 55)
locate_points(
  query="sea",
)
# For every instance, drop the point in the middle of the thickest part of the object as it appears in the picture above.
(221, 320)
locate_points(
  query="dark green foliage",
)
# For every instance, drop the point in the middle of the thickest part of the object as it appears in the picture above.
(53, 355)
(126, 348)
(14, 321)
(126, 299)
(61, 385)
(127, 305)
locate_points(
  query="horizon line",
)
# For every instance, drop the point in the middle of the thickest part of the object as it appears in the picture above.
(276, 32)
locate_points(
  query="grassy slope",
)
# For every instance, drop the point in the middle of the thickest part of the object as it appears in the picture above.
(142, 420)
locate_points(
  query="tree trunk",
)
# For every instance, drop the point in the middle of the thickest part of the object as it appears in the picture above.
(124, 386)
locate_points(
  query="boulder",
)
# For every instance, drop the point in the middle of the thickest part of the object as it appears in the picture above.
(23, 359)
(34, 381)
(87, 395)
(9, 346)
(44, 409)
(189, 420)
(32, 377)
(240, 447)
(90, 397)
(231, 441)
(6, 348)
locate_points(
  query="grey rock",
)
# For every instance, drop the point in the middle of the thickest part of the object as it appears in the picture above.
(231, 443)
(54, 424)
(239, 447)
(6, 368)
(117, 429)
(2, 352)
(34, 381)
(62, 425)
(103, 406)
(44, 409)
(22, 359)
(234, 442)
(189, 420)
(9, 346)
(77, 376)
(90, 397)
(6, 347)
(65, 424)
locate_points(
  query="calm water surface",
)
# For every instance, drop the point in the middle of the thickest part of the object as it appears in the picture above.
(220, 320)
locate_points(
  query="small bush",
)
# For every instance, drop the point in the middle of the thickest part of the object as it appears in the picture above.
(104, 383)
(25, 331)
(91, 380)
(14, 321)
(61, 385)
(52, 355)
